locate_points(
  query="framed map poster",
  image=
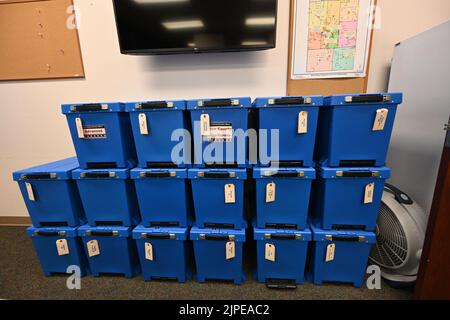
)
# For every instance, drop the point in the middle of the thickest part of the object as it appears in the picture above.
(331, 38)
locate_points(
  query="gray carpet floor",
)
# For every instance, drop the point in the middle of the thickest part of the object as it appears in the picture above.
(22, 278)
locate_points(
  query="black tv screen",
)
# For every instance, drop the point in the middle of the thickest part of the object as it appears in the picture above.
(184, 26)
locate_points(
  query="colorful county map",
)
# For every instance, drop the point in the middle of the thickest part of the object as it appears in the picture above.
(332, 34)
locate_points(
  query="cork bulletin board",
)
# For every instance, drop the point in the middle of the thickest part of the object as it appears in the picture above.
(38, 40)
(323, 86)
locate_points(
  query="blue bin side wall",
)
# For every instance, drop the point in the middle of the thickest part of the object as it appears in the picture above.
(341, 202)
(117, 255)
(349, 264)
(238, 118)
(157, 146)
(56, 201)
(291, 202)
(118, 147)
(292, 145)
(345, 133)
(164, 200)
(109, 200)
(51, 262)
(290, 260)
(172, 259)
(211, 263)
(210, 206)
(128, 147)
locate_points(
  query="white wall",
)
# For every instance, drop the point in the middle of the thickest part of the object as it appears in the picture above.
(401, 19)
(33, 131)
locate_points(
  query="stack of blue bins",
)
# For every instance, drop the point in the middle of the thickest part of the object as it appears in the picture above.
(218, 177)
(353, 140)
(103, 140)
(283, 179)
(161, 136)
(55, 208)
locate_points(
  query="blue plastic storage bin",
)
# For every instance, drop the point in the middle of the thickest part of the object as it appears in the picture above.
(218, 146)
(50, 194)
(218, 197)
(281, 256)
(110, 250)
(153, 124)
(355, 130)
(108, 196)
(165, 253)
(282, 197)
(348, 198)
(347, 253)
(101, 134)
(164, 197)
(58, 248)
(296, 119)
(214, 256)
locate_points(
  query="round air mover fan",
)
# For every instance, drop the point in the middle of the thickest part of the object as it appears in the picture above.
(401, 228)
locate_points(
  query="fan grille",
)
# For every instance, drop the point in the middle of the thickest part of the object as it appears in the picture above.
(391, 248)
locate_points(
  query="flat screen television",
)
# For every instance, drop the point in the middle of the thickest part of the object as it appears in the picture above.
(193, 26)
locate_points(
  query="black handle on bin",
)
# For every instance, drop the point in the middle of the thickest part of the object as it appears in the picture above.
(163, 174)
(345, 238)
(357, 174)
(102, 233)
(282, 236)
(87, 107)
(156, 236)
(220, 175)
(286, 174)
(216, 238)
(368, 98)
(37, 176)
(399, 195)
(284, 101)
(217, 103)
(96, 175)
(47, 233)
(154, 105)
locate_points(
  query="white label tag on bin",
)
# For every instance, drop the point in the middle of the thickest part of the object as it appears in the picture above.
(270, 192)
(143, 124)
(230, 250)
(30, 191)
(148, 251)
(303, 122)
(230, 196)
(93, 248)
(80, 130)
(380, 119)
(204, 123)
(62, 247)
(368, 194)
(330, 252)
(270, 252)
